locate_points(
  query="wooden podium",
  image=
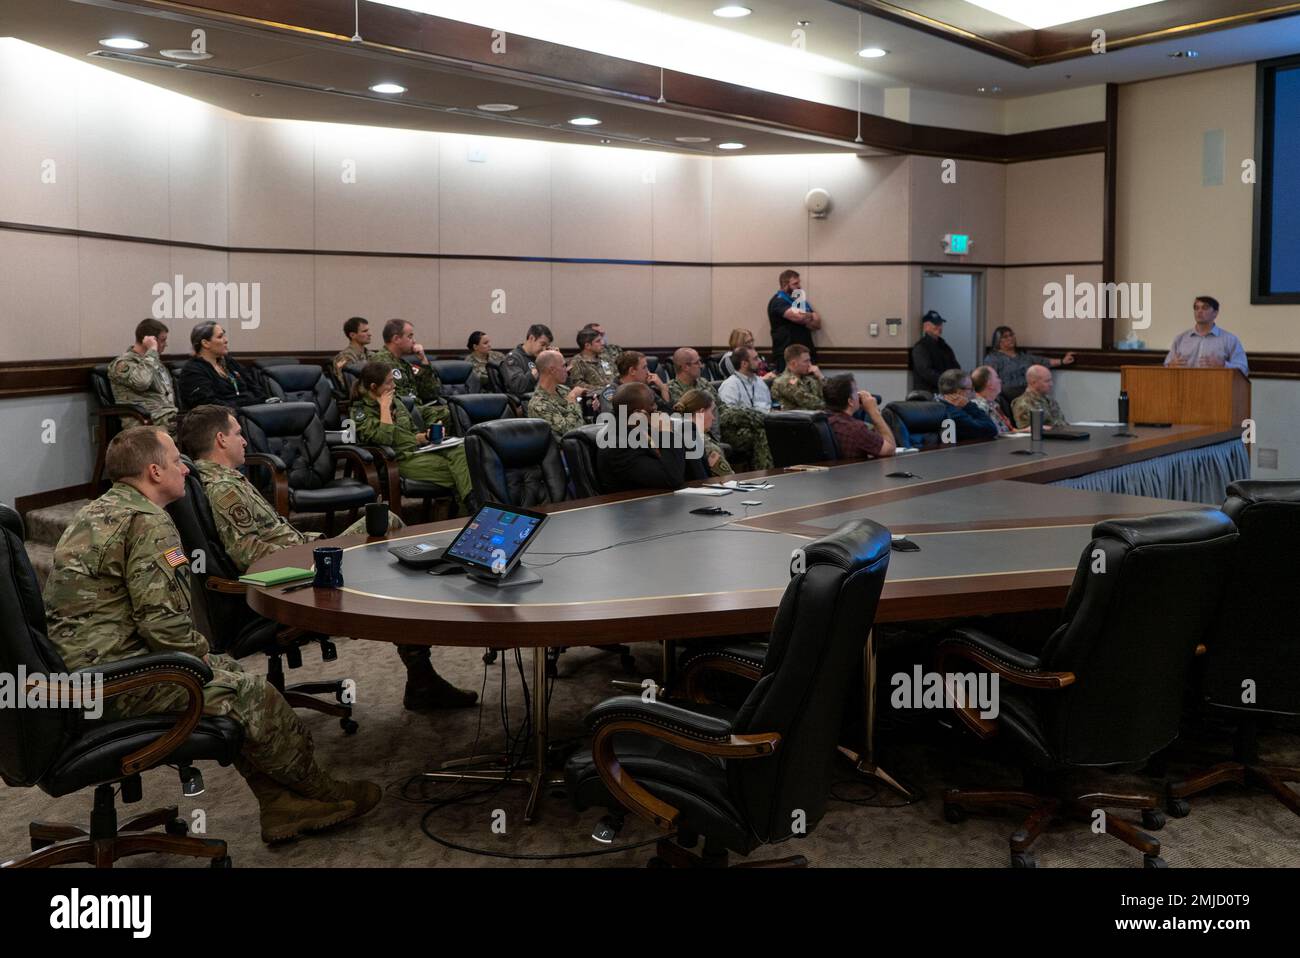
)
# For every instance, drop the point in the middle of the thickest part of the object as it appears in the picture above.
(1182, 394)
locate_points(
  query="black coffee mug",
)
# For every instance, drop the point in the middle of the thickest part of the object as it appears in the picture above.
(329, 567)
(377, 519)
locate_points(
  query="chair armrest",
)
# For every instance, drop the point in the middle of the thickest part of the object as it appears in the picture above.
(214, 583)
(387, 464)
(129, 410)
(334, 437)
(730, 661)
(279, 477)
(364, 462)
(702, 729)
(162, 668)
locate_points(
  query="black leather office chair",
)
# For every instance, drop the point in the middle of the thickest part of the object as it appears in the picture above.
(799, 436)
(667, 369)
(713, 369)
(1107, 688)
(60, 751)
(1251, 670)
(923, 419)
(108, 418)
(303, 382)
(270, 362)
(580, 447)
(288, 439)
(515, 462)
(470, 409)
(652, 363)
(457, 376)
(740, 778)
(920, 395)
(234, 628)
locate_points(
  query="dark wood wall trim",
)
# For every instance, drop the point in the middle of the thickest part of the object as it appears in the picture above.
(1110, 210)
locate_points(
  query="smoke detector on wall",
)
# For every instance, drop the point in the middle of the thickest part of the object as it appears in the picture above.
(817, 202)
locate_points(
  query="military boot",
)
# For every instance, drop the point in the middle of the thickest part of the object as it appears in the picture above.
(425, 688)
(286, 816)
(363, 795)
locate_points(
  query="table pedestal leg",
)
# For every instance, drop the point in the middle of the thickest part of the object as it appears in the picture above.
(864, 762)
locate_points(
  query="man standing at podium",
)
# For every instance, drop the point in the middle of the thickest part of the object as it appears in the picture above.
(1205, 344)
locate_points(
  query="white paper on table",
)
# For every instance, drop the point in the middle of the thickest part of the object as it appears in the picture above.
(1100, 425)
(702, 491)
(1013, 435)
(445, 444)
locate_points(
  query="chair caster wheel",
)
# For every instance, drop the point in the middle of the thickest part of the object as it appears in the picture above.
(349, 726)
(489, 656)
(178, 827)
(1154, 861)
(656, 862)
(628, 662)
(1178, 807)
(1023, 860)
(954, 813)
(222, 862)
(1153, 819)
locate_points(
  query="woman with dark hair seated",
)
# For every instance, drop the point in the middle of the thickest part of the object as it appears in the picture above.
(382, 420)
(481, 353)
(699, 406)
(1010, 362)
(637, 449)
(213, 376)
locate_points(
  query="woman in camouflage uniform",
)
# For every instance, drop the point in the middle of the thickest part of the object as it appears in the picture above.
(698, 404)
(481, 353)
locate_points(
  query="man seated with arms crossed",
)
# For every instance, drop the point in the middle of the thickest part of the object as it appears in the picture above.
(591, 367)
(855, 439)
(139, 377)
(632, 368)
(1038, 395)
(737, 426)
(955, 393)
(744, 387)
(552, 400)
(357, 330)
(121, 588)
(417, 379)
(250, 530)
(987, 386)
(1205, 344)
(640, 458)
(800, 386)
(519, 368)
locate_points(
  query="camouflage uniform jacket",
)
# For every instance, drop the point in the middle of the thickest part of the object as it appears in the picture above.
(598, 372)
(249, 528)
(480, 363)
(352, 354)
(410, 379)
(121, 584)
(554, 406)
(798, 392)
(1029, 400)
(144, 381)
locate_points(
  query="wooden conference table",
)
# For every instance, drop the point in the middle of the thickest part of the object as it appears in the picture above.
(993, 537)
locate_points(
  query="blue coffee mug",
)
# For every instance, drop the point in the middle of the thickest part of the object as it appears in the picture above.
(329, 567)
(435, 433)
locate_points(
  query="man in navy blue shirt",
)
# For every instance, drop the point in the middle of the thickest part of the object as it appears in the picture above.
(971, 421)
(792, 318)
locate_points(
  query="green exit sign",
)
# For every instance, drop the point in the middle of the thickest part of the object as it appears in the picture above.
(956, 244)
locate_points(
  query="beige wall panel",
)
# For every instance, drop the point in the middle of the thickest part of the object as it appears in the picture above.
(499, 206)
(740, 295)
(287, 302)
(196, 184)
(1023, 310)
(601, 202)
(466, 293)
(389, 201)
(850, 298)
(380, 289)
(37, 123)
(196, 266)
(683, 299)
(868, 219)
(1054, 209)
(38, 297)
(995, 304)
(975, 204)
(618, 297)
(683, 203)
(272, 194)
(117, 291)
(758, 213)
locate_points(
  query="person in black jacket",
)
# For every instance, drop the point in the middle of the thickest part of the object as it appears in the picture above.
(623, 463)
(213, 376)
(519, 368)
(931, 356)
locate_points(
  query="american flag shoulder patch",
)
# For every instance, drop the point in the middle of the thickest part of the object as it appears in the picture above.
(174, 557)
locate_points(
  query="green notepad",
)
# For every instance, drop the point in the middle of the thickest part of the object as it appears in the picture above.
(276, 576)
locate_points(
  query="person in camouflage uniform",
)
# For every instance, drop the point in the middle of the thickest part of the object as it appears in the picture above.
(139, 377)
(740, 428)
(411, 379)
(608, 352)
(800, 385)
(701, 405)
(1038, 395)
(591, 367)
(551, 401)
(382, 420)
(120, 588)
(358, 350)
(480, 354)
(251, 530)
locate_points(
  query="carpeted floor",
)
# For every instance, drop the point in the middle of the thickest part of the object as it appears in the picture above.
(1227, 827)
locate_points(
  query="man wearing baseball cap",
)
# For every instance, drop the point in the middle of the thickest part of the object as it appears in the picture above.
(931, 355)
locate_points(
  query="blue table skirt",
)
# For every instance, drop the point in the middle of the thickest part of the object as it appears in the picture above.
(1194, 475)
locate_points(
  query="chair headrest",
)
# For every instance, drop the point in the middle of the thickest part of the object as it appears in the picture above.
(919, 416)
(1168, 528)
(482, 406)
(280, 419)
(11, 521)
(517, 442)
(453, 372)
(295, 378)
(855, 545)
(1252, 491)
(797, 415)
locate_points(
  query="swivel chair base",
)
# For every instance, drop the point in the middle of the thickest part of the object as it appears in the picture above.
(1271, 778)
(56, 843)
(678, 854)
(302, 695)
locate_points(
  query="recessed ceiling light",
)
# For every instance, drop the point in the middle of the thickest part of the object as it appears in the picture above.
(388, 88)
(606, 141)
(732, 11)
(872, 53)
(731, 146)
(803, 23)
(123, 43)
(988, 89)
(584, 121)
(496, 107)
(185, 53)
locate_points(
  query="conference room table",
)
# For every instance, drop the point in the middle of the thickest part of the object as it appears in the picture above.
(993, 537)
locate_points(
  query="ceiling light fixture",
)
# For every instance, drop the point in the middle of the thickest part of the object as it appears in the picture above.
(872, 53)
(123, 43)
(692, 139)
(387, 88)
(496, 107)
(185, 53)
(731, 146)
(732, 11)
(584, 121)
(1037, 15)
(988, 89)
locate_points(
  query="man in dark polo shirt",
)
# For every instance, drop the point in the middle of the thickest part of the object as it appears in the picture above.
(854, 438)
(792, 318)
(931, 356)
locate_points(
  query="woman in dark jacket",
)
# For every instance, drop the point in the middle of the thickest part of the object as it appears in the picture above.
(213, 375)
